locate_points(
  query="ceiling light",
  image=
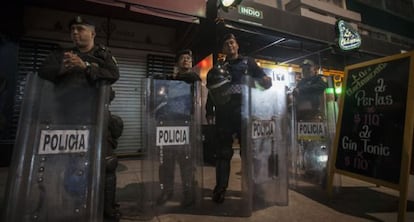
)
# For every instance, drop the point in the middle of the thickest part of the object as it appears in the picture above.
(225, 4)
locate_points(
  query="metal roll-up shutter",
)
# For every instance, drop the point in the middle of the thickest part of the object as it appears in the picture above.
(129, 94)
(128, 101)
(159, 65)
(30, 57)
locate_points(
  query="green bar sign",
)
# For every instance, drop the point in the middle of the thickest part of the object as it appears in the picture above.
(250, 11)
(348, 37)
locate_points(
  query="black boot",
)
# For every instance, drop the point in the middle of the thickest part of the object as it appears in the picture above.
(188, 199)
(164, 197)
(112, 214)
(111, 208)
(218, 194)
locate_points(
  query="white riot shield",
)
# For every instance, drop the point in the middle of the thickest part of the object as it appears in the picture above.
(312, 134)
(57, 168)
(172, 171)
(264, 118)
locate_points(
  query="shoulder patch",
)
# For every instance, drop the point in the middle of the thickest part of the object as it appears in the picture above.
(245, 60)
(102, 47)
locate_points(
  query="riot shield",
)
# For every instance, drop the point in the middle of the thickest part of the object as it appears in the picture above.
(264, 116)
(57, 171)
(313, 129)
(263, 151)
(172, 171)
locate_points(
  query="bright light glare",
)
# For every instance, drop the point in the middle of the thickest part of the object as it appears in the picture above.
(227, 3)
(162, 91)
(338, 90)
(322, 158)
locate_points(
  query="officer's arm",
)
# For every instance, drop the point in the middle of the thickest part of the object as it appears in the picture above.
(52, 67)
(107, 70)
(265, 82)
(258, 73)
(210, 110)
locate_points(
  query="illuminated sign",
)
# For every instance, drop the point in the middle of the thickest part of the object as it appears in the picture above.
(349, 38)
(250, 11)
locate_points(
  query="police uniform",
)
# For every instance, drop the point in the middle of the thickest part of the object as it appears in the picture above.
(308, 101)
(228, 115)
(115, 129)
(100, 66)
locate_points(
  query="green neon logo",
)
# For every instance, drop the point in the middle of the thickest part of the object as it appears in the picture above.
(349, 38)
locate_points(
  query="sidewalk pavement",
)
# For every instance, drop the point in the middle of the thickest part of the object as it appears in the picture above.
(355, 201)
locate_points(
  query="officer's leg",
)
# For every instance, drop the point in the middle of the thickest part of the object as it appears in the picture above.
(224, 154)
(187, 169)
(166, 175)
(110, 207)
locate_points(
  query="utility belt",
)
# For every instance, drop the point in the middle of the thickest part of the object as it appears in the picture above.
(234, 101)
(236, 97)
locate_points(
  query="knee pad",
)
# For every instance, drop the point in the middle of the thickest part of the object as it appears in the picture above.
(225, 154)
(111, 162)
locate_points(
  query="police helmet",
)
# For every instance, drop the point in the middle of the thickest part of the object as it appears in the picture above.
(218, 84)
(217, 77)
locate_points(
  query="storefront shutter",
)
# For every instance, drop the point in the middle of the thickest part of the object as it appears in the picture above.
(128, 101)
(129, 89)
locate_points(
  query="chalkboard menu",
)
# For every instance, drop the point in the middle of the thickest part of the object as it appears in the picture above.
(371, 125)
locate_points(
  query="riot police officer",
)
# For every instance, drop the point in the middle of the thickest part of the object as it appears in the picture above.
(310, 107)
(87, 63)
(224, 105)
(308, 91)
(177, 106)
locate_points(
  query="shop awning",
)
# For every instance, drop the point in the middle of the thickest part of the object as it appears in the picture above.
(284, 37)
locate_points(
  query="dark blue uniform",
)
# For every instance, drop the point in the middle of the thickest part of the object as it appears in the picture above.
(228, 116)
(103, 67)
(308, 101)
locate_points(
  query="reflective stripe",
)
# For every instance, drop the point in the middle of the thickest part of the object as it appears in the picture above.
(218, 84)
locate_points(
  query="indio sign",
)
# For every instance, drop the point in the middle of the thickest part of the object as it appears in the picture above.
(250, 11)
